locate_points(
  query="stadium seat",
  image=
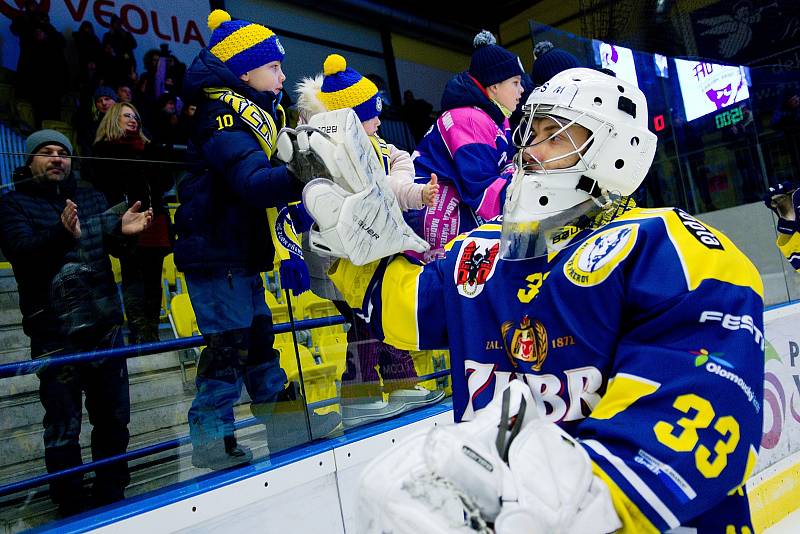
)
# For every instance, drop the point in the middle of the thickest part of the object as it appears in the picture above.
(184, 324)
(116, 268)
(182, 318)
(25, 113)
(319, 379)
(333, 349)
(62, 127)
(168, 270)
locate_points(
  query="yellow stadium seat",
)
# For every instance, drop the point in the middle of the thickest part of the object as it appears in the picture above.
(168, 270)
(182, 316)
(116, 268)
(333, 349)
(319, 379)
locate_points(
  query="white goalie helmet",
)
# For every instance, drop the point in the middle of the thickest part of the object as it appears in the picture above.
(613, 161)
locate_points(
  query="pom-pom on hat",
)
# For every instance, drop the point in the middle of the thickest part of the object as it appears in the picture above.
(491, 63)
(241, 45)
(343, 87)
(550, 61)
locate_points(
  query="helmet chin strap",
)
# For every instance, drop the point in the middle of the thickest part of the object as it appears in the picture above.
(589, 186)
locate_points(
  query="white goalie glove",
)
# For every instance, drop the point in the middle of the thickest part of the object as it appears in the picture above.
(524, 475)
(356, 213)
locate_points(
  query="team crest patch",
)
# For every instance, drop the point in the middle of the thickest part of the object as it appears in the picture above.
(596, 258)
(526, 342)
(476, 262)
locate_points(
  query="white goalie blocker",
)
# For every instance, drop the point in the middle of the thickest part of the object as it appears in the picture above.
(507, 471)
(356, 213)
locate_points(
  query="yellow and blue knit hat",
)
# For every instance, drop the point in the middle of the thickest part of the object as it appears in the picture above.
(241, 45)
(343, 87)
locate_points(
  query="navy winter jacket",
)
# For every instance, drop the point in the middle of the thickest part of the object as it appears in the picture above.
(222, 222)
(33, 239)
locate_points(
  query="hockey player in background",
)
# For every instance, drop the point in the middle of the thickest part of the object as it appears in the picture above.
(633, 336)
(784, 200)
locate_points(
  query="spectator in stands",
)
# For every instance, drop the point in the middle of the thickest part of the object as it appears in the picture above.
(362, 396)
(121, 180)
(121, 41)
(41, 60)
(124, 94)
(469, 147)
(166, 129)
(104, 97)
(417, 113)
(87, 44)
(224, 241)
(185, 123)
(57, 236)
(547, 62)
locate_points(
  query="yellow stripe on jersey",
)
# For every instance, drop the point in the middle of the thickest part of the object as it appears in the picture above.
(623, 390)
(790, 247)
(352, 281)
(452, 242)
(399, 304)
(700, 261)
(633, 520)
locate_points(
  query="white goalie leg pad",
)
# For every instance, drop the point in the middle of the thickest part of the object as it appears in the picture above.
(399, 495)
(556, 491)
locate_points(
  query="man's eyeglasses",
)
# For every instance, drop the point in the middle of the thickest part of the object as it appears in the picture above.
(132, 116)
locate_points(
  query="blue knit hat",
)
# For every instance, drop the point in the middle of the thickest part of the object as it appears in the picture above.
(343, 87)
(105, 90)
(550, 61)
(492, 63)
(241, 45)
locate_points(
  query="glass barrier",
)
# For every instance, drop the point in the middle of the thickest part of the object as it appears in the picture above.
(114, 392)
(121, 380)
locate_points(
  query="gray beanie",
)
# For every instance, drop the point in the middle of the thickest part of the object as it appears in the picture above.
(37, 140)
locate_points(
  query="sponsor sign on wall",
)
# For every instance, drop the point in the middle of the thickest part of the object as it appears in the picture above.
(181, 24)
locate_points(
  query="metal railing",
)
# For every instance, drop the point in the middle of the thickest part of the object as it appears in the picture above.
(146, 349)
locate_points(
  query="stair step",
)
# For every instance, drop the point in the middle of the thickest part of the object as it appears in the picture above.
(10, 317)
(29, 468)
(25, 409)
(36, 509)
(9, 300)
(13, 338)
(8, 283)
(25, 443)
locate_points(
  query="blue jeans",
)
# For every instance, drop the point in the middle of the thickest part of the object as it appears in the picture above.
(237, 327)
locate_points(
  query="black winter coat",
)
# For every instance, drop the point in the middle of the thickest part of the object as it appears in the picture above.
(33, 239)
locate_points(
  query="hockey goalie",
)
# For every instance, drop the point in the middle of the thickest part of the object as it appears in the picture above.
(607, 360)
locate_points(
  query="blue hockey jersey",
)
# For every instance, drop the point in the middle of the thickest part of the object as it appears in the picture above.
(643, 339)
